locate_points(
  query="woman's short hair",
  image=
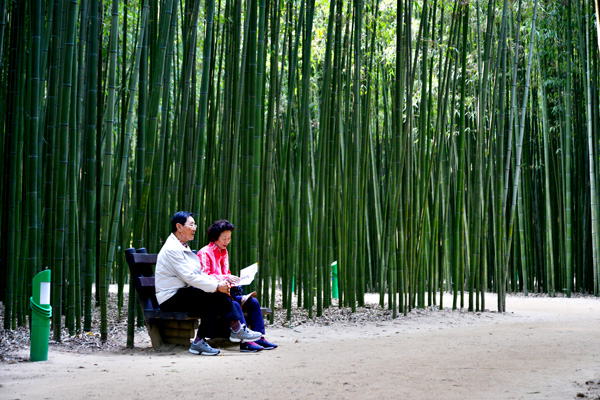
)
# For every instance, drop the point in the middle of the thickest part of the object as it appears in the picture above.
(180, 217)
(215, 230)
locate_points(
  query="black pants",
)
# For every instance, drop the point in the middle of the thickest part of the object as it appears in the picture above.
(207, 305)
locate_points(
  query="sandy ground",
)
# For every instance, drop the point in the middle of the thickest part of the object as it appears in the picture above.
(542, 348)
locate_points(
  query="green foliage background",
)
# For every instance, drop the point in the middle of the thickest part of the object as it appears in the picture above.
(426, 146)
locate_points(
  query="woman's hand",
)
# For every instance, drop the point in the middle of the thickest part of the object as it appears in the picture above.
(233, 280)
(246, 297)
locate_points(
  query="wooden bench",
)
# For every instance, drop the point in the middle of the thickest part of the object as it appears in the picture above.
(172, 327)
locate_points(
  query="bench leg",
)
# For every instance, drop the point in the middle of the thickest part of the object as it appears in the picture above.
(154, 332)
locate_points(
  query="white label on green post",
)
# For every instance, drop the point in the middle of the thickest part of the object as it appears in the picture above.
(44, 292)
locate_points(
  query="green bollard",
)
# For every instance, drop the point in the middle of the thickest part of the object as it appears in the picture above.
(334, 281)
(41, 311)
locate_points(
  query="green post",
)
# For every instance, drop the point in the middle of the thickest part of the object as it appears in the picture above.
(41, 311)
(334, 281)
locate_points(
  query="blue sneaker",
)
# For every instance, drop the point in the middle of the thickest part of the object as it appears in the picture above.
(250, 347)
(203, 348)
(265, 344)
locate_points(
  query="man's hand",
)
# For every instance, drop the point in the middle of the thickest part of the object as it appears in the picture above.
(223, 287)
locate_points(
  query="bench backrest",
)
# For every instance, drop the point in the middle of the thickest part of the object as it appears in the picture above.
(141, 265)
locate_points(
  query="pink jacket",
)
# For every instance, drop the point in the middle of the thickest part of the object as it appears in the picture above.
(214, 261)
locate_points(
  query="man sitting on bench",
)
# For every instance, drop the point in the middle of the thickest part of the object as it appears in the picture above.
(182, 286)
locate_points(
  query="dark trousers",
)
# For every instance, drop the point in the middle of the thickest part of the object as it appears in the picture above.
(207, 305)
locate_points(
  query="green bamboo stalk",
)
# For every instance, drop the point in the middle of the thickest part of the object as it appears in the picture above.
(50, 130)
(90, 159)
(156, 81)
(264, 218)
(270, 180)
(122, 171)
(398, 149)
(499, 214)
(522, 242)
(568, 140)
(240, 122)
(597, 22)
(458, 226)
(185, 110)
(8, 144)
(318, 257)
(482, 128)
(2, 28)
(13, 289)
(142, 131)
(72, 318)
(161, 197)
(247, 148)
(206, 62)
(513, 107)
(15, 111)
(287, 162)
(258, 113)
(62, 158)
(520, 140)
(424, 171)
(106, 194)
(123, 78)
(593, 199)
(34, 144)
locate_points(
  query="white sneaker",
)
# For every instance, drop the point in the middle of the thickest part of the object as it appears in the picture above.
(203, 348)
(244, 334)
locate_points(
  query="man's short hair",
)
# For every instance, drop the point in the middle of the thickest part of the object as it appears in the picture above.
(220, 226)
(180, 217)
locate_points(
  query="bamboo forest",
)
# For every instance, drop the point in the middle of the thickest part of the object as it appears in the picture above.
(425, 146)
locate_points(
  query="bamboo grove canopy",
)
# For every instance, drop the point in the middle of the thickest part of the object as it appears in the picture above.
(426, 146)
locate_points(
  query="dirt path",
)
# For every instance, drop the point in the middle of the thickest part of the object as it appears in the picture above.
(543, 348)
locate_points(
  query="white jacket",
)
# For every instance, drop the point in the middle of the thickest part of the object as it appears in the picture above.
(176, 267)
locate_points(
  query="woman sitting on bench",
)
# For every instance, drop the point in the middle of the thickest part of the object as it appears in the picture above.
(214, 260)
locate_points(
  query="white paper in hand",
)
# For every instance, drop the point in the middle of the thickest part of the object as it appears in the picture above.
(247, 274)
